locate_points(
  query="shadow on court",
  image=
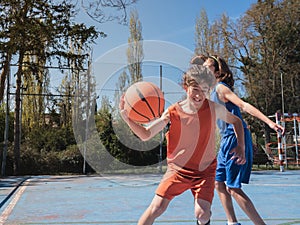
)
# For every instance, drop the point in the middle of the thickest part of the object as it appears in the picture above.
(122, 199)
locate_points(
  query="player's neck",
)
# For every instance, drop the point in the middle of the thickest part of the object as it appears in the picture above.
(190, 107)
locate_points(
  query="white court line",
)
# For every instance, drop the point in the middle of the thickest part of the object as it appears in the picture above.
(275, 185)
(6, 213)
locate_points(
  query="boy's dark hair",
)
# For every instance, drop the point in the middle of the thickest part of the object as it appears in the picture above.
(225, 74)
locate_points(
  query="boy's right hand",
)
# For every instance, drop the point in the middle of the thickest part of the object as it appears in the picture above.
(123, 112)
(122, 102)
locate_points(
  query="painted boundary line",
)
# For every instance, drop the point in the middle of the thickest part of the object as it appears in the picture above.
(7, 211)
(12, 192)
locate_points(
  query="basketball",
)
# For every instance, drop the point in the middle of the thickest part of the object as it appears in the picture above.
(144, 102)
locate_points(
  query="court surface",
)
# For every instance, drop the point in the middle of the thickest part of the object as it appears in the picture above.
(121, 199)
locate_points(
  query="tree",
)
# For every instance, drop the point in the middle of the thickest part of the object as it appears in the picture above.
(2, 123)
(135, 48)
(202, 33)
(66, 91)
(266, 44)
(134, 57)
(35, 84)
(121, 85)
(259, 47)
(106, 10)
(209, 36)
(42, 30)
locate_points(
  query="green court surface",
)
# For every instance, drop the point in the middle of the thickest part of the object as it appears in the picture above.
(122, 199)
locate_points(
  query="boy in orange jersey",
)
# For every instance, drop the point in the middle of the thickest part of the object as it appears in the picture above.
(190, 146)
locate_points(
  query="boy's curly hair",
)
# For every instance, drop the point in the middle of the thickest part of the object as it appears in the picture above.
(223, 74)
(196, 75)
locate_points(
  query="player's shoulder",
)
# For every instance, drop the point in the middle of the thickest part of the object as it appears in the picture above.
(211, 103)
(173, 107)
(222, 87)
(216, 106)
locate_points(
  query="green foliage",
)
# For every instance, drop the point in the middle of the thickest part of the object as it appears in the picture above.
(47, 150)
(120, 145)
(34, 161)
(260, 47)
(35, 35)
(51, 138)
(9, 159)
(271, 29)
(71, 160)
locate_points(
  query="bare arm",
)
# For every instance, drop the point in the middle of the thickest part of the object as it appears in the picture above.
(226, 94)
(223, 114)
(144, 132)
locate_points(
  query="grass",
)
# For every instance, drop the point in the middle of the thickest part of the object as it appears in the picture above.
(256, 167)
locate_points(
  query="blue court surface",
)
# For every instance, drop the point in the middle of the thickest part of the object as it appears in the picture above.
(121, 199)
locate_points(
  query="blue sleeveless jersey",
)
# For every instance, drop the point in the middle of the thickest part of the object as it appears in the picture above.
(227, 169)
(225, 128)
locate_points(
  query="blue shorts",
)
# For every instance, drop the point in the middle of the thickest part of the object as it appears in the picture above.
(227, 170)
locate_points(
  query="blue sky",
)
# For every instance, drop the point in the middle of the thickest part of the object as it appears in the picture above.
(167, 20)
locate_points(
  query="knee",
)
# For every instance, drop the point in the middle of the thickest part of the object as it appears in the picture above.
(220, 186)
(157, 209)
(233, 191)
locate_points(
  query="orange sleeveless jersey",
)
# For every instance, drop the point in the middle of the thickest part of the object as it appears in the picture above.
(191, 139)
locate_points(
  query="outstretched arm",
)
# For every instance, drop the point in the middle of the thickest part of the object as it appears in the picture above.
(226, 94)
(144, 132)
(239, 151)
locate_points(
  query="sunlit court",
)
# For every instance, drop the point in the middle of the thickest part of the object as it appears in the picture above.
(120, 199)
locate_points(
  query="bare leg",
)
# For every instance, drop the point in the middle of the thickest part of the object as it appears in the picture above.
(155, 209)
(202, 210)
(226, 201)
(246, 205)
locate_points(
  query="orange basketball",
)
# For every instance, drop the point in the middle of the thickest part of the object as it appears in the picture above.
(144, 102)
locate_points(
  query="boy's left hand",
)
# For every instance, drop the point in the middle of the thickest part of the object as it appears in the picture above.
(238, 154)
(278, 128)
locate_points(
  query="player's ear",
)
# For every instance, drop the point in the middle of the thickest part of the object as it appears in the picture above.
(185, 87)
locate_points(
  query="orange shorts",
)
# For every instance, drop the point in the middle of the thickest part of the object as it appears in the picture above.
(175, 183)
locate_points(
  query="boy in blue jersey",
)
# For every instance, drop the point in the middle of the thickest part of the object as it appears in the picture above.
(230, 175)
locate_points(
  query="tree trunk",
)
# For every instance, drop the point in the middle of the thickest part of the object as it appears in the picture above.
(17, 126)
(5, 71)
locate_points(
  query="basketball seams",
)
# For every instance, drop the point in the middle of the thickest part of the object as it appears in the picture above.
(159, 99)
(137, 112)
(142, 97)
(144, 102)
